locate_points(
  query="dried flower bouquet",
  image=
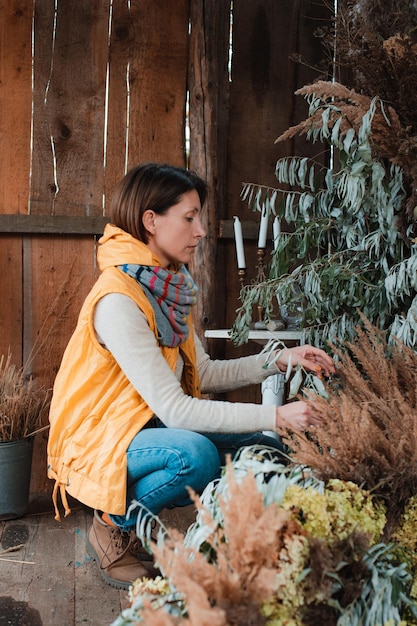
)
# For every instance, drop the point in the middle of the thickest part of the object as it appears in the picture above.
(274, 546)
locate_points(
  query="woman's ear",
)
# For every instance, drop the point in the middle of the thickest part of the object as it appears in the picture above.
(148, 220)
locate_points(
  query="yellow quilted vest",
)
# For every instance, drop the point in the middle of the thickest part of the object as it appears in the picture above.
(95, 411)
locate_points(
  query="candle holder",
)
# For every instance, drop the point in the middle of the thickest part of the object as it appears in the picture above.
(260, 278)
(260, 273)
(242, 276)
(260, 270)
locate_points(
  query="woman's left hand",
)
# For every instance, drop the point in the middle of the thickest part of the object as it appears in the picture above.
(310, 358)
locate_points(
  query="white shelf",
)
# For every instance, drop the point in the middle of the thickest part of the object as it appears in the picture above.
(258, 335)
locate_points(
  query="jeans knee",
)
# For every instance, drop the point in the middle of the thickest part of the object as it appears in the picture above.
(203, 461)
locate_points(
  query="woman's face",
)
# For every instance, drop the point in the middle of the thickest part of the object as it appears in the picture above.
(174, 236)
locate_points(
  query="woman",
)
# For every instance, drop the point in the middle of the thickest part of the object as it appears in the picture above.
(127, 418)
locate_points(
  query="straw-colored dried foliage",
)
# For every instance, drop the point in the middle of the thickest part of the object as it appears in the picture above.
(376, 52)
(229, 591)
(23, 406)
(372, 49)
(368, 428)
(387, 131)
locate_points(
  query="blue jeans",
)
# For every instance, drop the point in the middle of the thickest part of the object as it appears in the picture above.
(162, 462)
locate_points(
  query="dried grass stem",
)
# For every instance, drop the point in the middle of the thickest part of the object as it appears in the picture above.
(23, 407)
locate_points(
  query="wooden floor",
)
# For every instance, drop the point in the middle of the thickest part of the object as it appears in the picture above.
(46, 575)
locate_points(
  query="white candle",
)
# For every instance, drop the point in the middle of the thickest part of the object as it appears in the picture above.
(276, 228)
(263, 228)
(240, 253)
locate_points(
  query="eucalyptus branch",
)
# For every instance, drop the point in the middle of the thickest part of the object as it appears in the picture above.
(342, 246)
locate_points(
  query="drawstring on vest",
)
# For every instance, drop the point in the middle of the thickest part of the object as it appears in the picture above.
(59, 484)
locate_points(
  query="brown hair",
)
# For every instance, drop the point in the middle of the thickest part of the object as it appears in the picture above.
(151, 186)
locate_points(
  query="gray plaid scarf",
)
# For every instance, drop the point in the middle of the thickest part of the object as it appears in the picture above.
(171, 294)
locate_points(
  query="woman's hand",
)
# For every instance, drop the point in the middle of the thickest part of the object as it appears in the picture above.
(310, 358)
(295, 416)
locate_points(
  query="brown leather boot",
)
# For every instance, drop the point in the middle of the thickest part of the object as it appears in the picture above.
(117, 555)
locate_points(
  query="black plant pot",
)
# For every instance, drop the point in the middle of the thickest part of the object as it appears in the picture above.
(15, 472)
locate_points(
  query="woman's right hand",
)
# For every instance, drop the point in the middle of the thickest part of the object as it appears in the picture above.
(309, 357)
(295, 416)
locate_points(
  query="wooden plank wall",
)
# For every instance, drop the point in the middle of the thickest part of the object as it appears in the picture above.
(109, 91)
(209, 91)
(89, 88)
(15, 125)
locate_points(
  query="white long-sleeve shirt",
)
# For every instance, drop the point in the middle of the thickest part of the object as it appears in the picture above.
(123, 329)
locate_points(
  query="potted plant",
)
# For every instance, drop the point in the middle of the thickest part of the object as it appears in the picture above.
(23, 411)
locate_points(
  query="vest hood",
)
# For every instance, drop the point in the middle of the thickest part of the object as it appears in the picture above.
(117, 247)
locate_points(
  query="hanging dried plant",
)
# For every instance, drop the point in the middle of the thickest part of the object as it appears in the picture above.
(375, 47)
(351, 237)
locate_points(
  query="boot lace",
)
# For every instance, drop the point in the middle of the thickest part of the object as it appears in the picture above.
(122, 540)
